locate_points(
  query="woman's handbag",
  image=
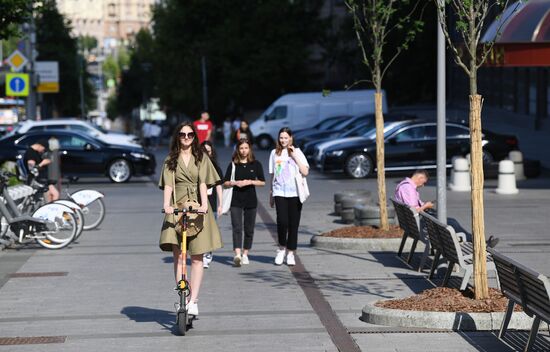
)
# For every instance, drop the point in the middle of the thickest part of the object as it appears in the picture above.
(301, 182)
(228, 192)
(195, 222)
(301, 187)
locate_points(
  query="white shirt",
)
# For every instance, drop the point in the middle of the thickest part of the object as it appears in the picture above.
(284, 169)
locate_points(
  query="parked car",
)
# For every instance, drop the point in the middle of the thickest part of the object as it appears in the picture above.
(408, 145)
(78, 125)
(302, 110)
(355, 127)
(83, 155)
(324, 125)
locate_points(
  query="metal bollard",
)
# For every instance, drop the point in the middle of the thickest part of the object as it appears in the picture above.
(517, 157)
(460, 181)
(506, 178)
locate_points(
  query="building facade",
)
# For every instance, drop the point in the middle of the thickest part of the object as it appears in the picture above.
(111, 22)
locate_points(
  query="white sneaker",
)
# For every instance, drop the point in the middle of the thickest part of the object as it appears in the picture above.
(206, 260)
(237, 260)
(245, 260)
(193, 308)
(280, 257)
(290, 259)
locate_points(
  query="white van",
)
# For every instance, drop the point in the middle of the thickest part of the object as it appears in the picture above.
(303, 110)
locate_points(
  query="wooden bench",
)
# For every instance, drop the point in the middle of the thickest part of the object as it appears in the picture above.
(526, 288)
(409, 221)
(448, 246)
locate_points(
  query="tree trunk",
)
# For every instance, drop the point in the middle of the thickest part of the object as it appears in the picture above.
(379, 119)
(478, 226)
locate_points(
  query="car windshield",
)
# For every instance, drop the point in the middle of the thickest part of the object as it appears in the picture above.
(389, 128)
(360, 130)
(329, 123)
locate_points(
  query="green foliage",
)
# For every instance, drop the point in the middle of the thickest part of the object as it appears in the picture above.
(54, 43)
(87, 42)
(383, 32)
(13, 13)
(137, 80)
(255, 50)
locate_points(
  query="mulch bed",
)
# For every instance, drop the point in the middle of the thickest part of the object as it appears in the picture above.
(444, 299)
(365, 232)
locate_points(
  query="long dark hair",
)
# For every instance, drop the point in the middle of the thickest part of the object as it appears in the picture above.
(237, 158)
(279, 147)
(214, 156)
(175, 147)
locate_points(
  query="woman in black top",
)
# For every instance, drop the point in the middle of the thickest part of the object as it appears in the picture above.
(214, 193)
(248, 175)
(244, 133)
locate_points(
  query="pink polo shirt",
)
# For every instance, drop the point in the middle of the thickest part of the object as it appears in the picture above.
(406, 193)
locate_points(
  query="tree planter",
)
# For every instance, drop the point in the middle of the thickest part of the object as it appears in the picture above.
(364, 244)
(442, 320)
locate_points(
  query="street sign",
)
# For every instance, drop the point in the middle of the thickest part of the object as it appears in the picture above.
(17, 84)
(17, 60)
(48, 73)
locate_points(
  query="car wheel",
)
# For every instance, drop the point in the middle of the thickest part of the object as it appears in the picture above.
(487, 157)
(264, 142)
(359, 165)
(120, 171)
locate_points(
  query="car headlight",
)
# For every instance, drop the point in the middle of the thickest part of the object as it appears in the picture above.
(335, 153)
(140, 156)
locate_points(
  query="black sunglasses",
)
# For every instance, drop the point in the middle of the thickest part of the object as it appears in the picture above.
(189, 135)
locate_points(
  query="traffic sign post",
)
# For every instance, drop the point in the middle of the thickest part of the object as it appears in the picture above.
(48, 72)
(17, 84)
(17, 61)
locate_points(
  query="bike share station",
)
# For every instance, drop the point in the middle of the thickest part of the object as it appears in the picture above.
(26, 217)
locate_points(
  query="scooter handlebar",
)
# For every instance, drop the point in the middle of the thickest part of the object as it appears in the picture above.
(184, 211)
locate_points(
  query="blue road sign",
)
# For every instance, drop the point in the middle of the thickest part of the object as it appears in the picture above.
(17, 85)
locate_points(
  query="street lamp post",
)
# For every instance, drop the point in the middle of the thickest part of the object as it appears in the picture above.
(441, 123)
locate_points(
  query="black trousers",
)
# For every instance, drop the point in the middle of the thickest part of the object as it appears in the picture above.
(237, 216)
(289, 211)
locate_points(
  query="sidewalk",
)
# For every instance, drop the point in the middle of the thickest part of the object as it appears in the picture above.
(114, 290)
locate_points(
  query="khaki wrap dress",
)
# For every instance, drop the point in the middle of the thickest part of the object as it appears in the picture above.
(187, 180)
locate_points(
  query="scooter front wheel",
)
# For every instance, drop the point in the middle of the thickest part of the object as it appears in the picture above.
(182, 318)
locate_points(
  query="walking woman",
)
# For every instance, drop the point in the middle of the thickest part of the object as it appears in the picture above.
(186, 176)
(247, 175)
(285, 162)
(244, 133)
(214, 193)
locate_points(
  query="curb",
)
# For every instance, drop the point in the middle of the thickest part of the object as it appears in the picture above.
(443, 320)
(368, 244)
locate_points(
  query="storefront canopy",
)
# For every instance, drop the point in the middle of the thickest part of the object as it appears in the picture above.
(521, 35)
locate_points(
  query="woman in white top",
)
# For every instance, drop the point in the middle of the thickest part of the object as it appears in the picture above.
(285, 162)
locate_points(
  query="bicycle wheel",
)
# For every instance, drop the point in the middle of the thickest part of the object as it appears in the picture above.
(94, 213)
(79, 215)
(64, 226)
(182, 318)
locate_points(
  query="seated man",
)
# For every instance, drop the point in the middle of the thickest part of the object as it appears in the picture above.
(406, 192)
(37, 163)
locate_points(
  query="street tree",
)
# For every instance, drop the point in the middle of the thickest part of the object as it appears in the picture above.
(14, 12)
(470, 20)
(54, 43)
(383, 30)
(255, 50)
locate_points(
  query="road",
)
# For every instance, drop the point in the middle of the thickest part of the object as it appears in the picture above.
(113, 291)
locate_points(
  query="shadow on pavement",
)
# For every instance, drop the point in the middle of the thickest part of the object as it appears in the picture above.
(165, 319)
(514, 341)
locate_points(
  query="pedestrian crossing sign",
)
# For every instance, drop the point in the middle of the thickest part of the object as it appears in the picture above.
(17, 84)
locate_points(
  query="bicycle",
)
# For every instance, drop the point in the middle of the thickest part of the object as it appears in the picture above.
(183, 320)
(89, 201)
(53, 226)
(34, 199)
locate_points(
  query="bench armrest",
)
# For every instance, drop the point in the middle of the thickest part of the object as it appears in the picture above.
(461, 236)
